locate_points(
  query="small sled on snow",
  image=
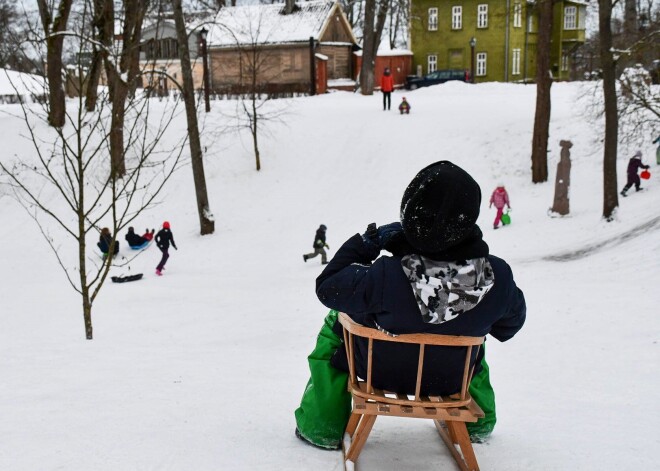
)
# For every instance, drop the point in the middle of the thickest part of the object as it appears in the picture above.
(127, 278)
(142, 246)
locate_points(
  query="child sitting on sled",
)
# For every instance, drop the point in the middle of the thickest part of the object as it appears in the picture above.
(135, 240)
(404, 107)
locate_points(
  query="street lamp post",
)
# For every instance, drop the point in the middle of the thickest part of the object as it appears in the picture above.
(202, 38)
(473, 44)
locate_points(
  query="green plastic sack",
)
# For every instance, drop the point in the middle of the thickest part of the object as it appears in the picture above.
(506, 219)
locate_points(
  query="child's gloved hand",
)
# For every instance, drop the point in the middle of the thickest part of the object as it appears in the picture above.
(387, 232)
(370, 237)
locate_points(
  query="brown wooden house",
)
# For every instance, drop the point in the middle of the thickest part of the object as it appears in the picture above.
(264, 48)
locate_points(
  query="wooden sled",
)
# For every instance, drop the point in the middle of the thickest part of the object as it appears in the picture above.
(449, 413)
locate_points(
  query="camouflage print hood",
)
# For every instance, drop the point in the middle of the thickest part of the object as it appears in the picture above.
(445, 290)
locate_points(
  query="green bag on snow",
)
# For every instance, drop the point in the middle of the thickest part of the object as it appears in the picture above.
(506, 219)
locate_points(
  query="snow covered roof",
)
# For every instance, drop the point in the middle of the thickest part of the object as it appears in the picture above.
(388, 52)
(19, 83)
(265, 24)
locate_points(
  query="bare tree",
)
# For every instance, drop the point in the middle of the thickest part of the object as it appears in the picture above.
(66, 186)
(54, 22)
(206, 222)
(543, 99)
(638, 106)
(608, 64)
(368, 49)
(259, 67)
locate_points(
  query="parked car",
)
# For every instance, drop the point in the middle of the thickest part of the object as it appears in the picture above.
(439, 76)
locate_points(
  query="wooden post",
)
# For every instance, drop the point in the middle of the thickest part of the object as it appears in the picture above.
(312, 66)
(563, 180)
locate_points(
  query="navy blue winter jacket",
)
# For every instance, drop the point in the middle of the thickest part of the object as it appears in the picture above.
(381, 292)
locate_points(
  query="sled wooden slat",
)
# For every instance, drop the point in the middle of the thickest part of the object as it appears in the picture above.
(449, 413)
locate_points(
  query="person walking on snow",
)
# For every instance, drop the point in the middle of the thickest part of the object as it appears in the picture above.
(387, 86)
(163, 240)
(319, 246)
(499, 198)
(440, 279)
(634, 164)
(404, 107)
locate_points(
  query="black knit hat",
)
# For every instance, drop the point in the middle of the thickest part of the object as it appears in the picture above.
(440, 207)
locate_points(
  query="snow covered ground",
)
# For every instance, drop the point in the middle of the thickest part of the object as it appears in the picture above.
(202, 369)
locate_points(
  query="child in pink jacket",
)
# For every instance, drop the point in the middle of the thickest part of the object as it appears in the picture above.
(499, 198)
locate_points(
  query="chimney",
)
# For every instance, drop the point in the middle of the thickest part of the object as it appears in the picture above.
(289, 7)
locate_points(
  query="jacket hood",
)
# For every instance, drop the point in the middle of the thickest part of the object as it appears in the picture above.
(445, 290)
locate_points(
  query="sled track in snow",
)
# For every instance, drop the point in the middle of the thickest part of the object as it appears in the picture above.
(590, 249)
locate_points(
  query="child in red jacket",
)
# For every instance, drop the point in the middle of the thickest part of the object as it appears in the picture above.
(499, 198)
(387, 86)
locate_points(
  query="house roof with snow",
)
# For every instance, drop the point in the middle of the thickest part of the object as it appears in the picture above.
(268, 25)
(14, 83)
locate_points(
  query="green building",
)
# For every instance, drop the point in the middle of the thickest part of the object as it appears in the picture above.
(497, 38)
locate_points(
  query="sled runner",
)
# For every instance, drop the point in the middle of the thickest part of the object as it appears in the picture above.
(124, 279)
(449, 413)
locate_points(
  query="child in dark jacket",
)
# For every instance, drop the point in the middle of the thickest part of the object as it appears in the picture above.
(105, 241)
(319, 246)
(135, 240)
(163, 240)
(440, 279)
(634, 164)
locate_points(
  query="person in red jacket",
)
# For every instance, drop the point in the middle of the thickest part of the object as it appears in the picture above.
(386, 86)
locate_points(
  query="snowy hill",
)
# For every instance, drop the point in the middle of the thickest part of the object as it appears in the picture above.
(202, 369)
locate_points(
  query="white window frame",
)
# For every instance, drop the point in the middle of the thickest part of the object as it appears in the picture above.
(482, 59)
(457, 17)
(515, 62)
(570, 17)
(530, 23)
(431, 63)
(517, 15)
(564, 62)
(433, 19)
(482, 15)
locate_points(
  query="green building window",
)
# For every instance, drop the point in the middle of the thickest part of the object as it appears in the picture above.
(482, 16)
(515, 62)
(432, 63)
(433, 19)
(564, 62)
(457, 17)
(517, 15)
(481, 64)
(570, 18)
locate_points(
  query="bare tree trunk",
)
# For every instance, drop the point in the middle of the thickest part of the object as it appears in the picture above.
(54, 45)
(93, 78)
(608, 64)
(543, 98)
(122, 77)
(206, 222)
(630, 19)
(103, 33)
(368, 41)
(383, 6)
(254, 132)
